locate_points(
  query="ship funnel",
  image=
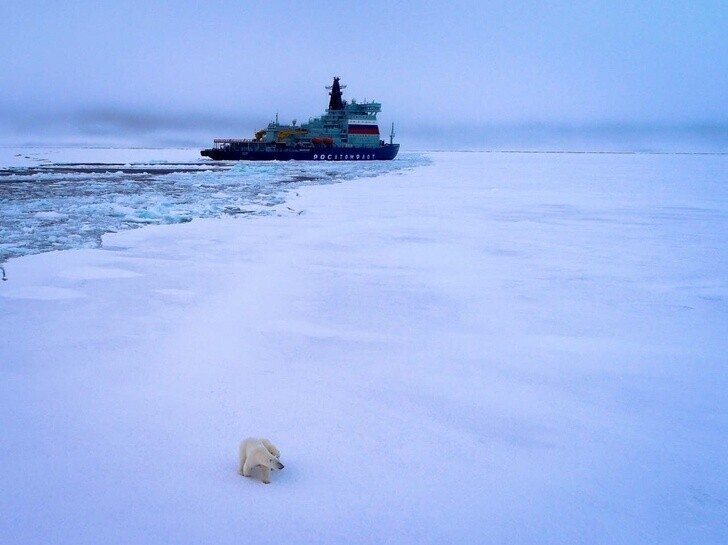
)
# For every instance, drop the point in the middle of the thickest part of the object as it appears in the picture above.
(335, 103)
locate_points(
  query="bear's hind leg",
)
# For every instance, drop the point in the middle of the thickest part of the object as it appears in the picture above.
(241, 459)
(271, 448)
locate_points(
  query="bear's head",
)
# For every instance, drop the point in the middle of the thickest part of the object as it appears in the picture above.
(273, 463)
(266, 459)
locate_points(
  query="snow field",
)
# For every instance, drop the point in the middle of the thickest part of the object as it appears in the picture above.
(493, 348)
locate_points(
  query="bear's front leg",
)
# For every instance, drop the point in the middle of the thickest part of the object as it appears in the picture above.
(247, 469)
(265, 470)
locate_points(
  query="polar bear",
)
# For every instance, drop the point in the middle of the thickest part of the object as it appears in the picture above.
(259, 453)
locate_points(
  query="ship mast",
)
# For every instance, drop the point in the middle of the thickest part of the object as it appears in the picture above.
(335, 103)
(391, 135)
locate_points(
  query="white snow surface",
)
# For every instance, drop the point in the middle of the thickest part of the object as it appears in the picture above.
(495, 348)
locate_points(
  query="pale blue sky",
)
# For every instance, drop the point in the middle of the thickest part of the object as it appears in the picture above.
(91, 67)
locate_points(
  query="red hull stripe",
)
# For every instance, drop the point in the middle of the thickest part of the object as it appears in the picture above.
(363, 129)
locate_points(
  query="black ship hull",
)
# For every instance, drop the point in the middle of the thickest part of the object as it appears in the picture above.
(232, 153)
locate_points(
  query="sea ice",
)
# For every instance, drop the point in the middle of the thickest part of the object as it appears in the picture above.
(493, 348)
